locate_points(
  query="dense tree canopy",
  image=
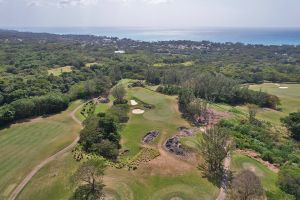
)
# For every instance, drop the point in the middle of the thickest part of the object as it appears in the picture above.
(292, 122)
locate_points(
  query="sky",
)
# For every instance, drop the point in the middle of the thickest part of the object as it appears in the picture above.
(150, 13)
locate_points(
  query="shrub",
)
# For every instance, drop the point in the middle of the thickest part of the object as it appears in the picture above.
(289, 180)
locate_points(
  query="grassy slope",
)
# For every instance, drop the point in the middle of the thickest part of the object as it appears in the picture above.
(53, 181)
(268, 178)
(290, 100)
(24, 145)
(128, 185)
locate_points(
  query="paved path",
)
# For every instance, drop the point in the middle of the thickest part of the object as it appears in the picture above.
(24, 182)
(223, 189)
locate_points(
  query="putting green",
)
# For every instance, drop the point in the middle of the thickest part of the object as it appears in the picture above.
(268, 178)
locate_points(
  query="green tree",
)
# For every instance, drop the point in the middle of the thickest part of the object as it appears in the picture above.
(292, 122)
(119, 92)
(252, 110)
(289, 180)
(89, 177)
(214, 148)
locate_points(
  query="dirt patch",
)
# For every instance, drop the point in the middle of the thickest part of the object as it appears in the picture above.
(184, 132)
(173, 145)
(257, 157)
(211, 117)
(138, 111)
(150, 136)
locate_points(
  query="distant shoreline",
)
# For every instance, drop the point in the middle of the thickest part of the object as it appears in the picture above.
(259, 36)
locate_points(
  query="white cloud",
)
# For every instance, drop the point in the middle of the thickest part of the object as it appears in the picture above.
(65, 3)
(61, 3)
(157, 1)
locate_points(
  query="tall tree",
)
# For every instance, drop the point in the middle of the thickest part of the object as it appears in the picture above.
(119, 92)
(89, 178)
(252, 110)
(247, 186)
(214, 148)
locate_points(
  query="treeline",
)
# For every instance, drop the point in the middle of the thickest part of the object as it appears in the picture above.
(41, 105)
(215, 87)
(52, 102)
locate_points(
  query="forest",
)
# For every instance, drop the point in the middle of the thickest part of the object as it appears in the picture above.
(43, 74)
(25, 59)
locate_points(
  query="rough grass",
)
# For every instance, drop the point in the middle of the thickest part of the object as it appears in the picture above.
(100, 107)
(268, 178)
(24, 145)
(58, 71)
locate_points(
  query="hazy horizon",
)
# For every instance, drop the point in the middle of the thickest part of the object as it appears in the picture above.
(171, 14)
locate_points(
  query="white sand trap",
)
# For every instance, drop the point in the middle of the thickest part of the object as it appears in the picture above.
(133, 102)
(283, 87)
(138, 111)
(277, 84)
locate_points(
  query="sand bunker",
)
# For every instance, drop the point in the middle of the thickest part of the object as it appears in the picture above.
(138, 111)
(283, 87)
(133, 102)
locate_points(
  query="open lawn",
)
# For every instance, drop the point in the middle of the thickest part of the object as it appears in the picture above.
(289, 95)
(24, 145)
(142, 185)
(268, 178)
(53, 181)
(58, 71)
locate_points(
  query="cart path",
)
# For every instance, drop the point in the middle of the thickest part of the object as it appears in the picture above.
(224, 183)
(24, 182)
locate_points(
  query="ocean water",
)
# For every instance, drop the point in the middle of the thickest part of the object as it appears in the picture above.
(266, 36)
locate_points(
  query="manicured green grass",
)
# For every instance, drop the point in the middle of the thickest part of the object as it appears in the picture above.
(53, 181)
(122, 184)
(289, 97)
(24, 145)
(192, 142)
(164, 117)
(268, 178)
(58, 71)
